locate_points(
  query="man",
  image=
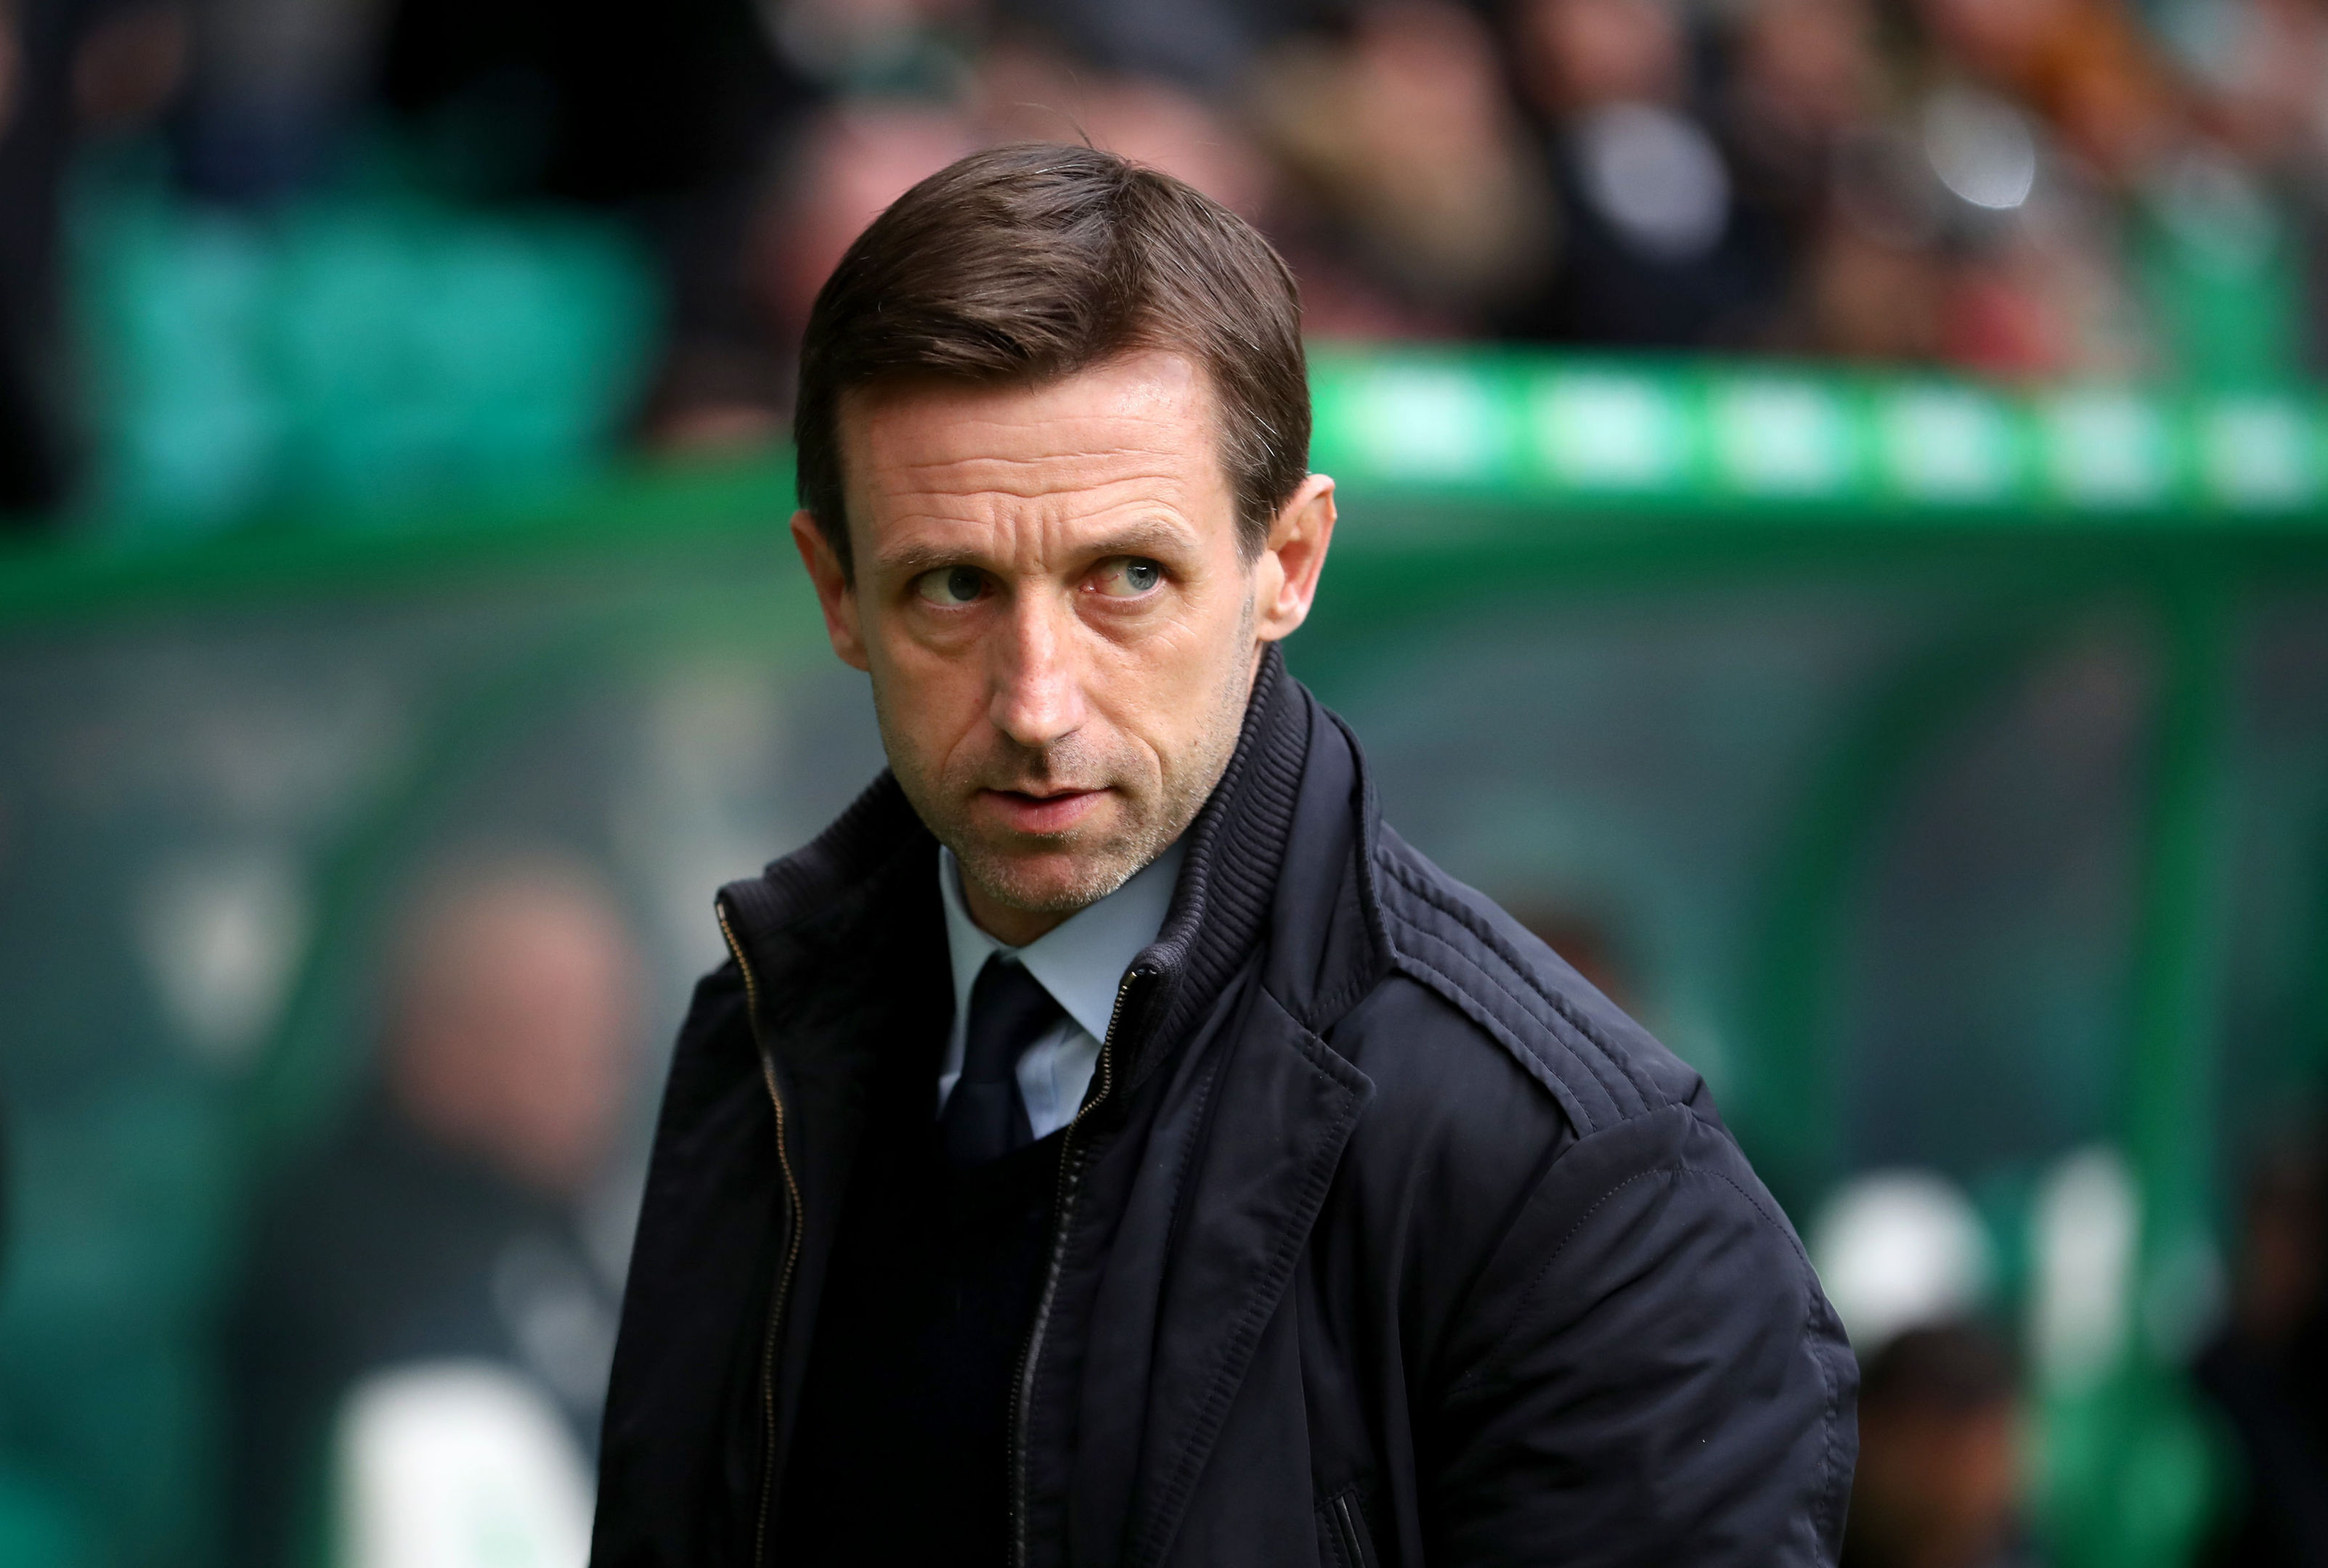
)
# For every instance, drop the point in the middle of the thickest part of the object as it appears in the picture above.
(447, 1223)
(1110, 1143)
(1941, 1474)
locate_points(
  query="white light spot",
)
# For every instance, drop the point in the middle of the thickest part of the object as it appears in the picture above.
(1782, 438)
(2083, 1231)
(1611, 432)
(1656, 176)
(2109, 448)
(457, 1464)
(1898, 1250)
(222, 932)
(1425, 423)
(1981, 148)
(2258, 452)
(1948, 445)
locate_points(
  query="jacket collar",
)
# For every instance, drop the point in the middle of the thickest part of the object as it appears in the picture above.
(1286, 840)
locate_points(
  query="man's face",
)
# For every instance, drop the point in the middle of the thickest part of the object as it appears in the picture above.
(1060, 626)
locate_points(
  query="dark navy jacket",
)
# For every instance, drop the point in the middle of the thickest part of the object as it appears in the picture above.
(1383, 1237)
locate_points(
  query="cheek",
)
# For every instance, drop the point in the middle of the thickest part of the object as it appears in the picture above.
(1165, 689)
(932, 700)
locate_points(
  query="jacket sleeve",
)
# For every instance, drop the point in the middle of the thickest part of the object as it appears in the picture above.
(1647, 1372)
(700, 1267)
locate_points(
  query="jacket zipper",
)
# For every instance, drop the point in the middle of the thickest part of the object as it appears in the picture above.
(1070, 1181)
(791, 1243)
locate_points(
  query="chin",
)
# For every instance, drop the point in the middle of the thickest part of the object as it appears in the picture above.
(1051, 882)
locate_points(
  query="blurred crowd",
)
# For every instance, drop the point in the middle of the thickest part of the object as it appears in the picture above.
(1955, 1459)
(2037, 188)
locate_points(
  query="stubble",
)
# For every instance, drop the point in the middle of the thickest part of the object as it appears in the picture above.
(1149, 825)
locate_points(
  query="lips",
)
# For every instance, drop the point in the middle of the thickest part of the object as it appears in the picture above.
(1044, 815)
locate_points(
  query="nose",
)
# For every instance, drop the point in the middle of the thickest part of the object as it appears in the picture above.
(1038, 670)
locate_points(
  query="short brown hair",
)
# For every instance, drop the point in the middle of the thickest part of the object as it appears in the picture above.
(1024, 264)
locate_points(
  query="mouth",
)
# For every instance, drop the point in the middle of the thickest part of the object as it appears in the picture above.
(1042, 813)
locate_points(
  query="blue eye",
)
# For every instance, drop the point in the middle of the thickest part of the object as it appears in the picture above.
(1129, 577)
(951, 584)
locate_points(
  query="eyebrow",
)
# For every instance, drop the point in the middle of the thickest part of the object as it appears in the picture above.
(1147, 537)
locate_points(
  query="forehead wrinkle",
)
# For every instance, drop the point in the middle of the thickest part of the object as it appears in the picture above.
(994, 499)
(982, 461)
(1020, 408)
(1033, 478)
(1021, 427)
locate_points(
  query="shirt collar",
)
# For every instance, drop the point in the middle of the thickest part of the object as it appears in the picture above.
(1081, 960)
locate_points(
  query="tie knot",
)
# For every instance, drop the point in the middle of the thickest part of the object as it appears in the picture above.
(985, 1118)
(1008, 1011)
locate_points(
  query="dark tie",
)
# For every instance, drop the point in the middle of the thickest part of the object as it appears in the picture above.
(984, 1117)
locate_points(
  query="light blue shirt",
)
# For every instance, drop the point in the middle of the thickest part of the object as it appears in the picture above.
(1080, 962)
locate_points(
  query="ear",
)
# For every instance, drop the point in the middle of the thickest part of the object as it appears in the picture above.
(835, 594)
(1286, 575)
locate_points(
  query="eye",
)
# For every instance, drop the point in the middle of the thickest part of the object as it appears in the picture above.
(1127, 577)
(951, 585)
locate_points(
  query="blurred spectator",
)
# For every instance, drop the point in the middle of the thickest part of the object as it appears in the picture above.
(2268, 1371)
(444, 1223)
(852, 159)
(1804, 75)
(1809, 109)
(1417, 203)
(1941, 1471)
(662, 115)
(1204, 46)
(1655, 247)
(1029, 94)
(862, 150)
(34, 127)
(2036, 120)
(71, 71)
(1869, 284)
(2081, 64)
(277, 86)
(894, 47)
